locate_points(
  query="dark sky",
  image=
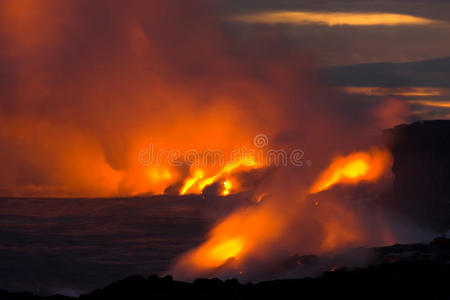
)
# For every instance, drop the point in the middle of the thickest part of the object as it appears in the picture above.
(411, 34)
(353, 44)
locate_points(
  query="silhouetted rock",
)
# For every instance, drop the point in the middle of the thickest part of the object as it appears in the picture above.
(4, 295)
(422, 172)
(437, 251)
(308, 259)
(442, 243)
(419, 270)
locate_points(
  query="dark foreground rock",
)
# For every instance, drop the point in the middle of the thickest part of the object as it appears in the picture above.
(401, 280)
(422, 172)
(417, 271)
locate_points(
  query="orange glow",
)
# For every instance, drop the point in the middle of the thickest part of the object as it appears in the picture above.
(129, 100)
(160, 178)
(80, 117)
(243, 233)
(404, 92)
(442, 104)
(196, 183)
(191, 181)
(157, 174)
(356, 167)
(334, 18)
(226, 250)
(227, 185)
(30, 24)
(339, 233)
(260, 198)
(250, 232)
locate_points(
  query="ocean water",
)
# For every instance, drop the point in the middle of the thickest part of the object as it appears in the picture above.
(72, 246)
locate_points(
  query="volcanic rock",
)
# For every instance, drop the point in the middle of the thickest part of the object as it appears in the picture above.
(418, 270)
(421, 167)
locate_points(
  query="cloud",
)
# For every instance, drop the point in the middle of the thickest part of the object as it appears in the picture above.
(405, 92)
(423, 85)
(441, 104)
(334, 18)
(427, 73)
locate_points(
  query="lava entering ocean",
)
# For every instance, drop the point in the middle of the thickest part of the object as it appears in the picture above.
(125, 107)
(356, 167)
(250, 232)
(197, 182)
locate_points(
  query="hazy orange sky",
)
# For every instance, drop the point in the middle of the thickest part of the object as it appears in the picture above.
(86, 85)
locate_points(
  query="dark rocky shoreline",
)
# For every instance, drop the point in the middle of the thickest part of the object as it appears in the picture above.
(400, 271)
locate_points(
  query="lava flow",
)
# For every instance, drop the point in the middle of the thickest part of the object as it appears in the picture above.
(197, 182)
(246, 232)
(80, 121)
(356, 167)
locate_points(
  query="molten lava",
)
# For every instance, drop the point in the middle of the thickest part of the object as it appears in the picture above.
(246, 232)
(243, 233)
(227, 185)
(164, 88)
(356, 167)
(228, 249)
(198, 174)
(196, 182)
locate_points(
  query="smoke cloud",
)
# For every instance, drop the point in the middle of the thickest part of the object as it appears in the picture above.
(87, 85)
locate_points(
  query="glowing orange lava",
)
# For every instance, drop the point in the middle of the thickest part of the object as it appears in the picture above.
(247, 232)
(198, 174)
(196, 183)
(356, 167)
(226, 250)
(242, 233)
(227, 185)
